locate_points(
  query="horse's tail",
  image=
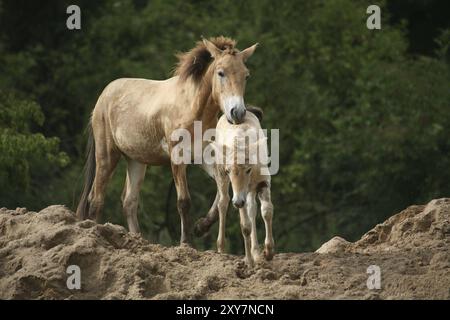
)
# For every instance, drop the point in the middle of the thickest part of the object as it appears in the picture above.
(89, 175)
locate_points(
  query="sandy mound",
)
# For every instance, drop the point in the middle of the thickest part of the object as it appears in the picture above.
(411, 248)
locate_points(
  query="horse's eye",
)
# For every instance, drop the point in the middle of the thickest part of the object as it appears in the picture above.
(247, 76)
(248, 170)
(221, 74)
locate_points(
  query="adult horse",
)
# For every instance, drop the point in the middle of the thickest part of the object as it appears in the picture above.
(136, 117)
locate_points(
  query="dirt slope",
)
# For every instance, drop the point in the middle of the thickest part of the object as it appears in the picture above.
(411, 248)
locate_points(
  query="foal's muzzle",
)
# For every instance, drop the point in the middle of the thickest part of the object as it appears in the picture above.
(239, 201)
(239, 204)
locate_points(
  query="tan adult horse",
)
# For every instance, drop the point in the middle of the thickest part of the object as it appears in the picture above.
(136, 117)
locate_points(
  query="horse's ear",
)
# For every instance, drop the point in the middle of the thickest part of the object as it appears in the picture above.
(247, 53)
(212, 49)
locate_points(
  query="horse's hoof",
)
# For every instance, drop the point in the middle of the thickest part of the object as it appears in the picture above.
(220, 247)
(186, 245)
(249, 262)
(186, 241)
(256, 255)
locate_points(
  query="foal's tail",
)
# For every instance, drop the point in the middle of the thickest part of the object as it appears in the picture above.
(89, 174)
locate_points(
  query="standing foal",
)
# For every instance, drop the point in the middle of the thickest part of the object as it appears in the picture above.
(243, 164)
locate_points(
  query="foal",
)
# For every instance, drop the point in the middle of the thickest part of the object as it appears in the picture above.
(244, 167)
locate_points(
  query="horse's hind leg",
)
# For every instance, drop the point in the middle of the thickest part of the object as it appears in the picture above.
(107, 158)
(130, 195)
(267, 214)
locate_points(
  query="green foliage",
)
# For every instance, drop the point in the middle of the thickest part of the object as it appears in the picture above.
(364, 124)
(21, 151)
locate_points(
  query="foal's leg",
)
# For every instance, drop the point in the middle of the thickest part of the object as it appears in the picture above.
(130, 196)
(251, 211)
(106, 158)
(224, 199)
(267, 214)
(246, 229)
(204, 224)
(183, 201)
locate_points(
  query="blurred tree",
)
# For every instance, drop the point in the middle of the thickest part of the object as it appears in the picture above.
(24, 155)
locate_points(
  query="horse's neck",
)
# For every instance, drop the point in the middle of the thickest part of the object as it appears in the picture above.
(210, 115)
(204, 108)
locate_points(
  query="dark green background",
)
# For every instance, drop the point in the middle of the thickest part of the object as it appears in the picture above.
(364, 114)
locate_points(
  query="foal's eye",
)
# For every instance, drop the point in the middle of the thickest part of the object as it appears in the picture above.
(247, 76)
(248, 170)
(221, 74)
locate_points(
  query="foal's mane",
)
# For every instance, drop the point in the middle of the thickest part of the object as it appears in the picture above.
(194, 63)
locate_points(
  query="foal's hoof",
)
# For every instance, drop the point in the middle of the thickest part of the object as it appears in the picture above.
(249, 263)
(268, 254)
(201, 227)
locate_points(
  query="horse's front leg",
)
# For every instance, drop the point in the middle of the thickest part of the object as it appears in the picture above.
(267, 214)
(183, 201)
(130, 195)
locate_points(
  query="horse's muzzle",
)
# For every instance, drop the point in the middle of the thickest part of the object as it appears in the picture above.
(238, 114)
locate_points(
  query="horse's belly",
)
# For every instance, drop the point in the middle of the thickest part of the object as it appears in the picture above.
(144, 149)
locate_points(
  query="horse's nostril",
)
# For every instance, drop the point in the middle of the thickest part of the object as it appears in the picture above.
(234, 112)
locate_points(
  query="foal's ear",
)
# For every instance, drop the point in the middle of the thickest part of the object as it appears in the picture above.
(261, 143)
(212, 49)
(247, 53)
(215, 145)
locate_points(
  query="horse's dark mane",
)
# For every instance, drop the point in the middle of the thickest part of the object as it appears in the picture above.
(194, 63)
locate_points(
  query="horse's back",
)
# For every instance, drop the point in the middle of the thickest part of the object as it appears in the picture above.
(132, 96)
(129, 109)
(133, 87)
